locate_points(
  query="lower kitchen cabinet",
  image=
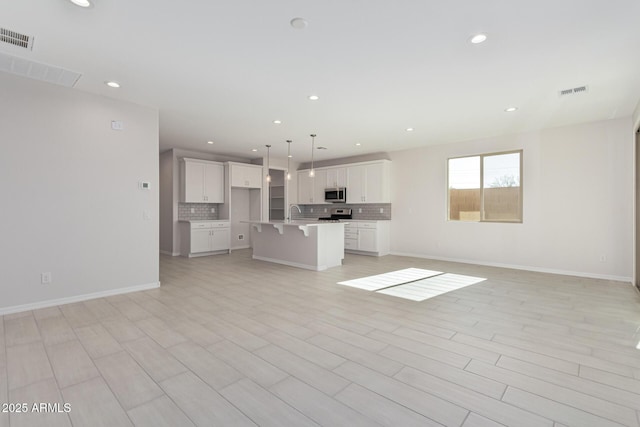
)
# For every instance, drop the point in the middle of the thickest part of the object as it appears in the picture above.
(200, 238)
(367, 237)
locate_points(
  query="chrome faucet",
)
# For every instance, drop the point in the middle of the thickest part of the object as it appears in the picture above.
(293, 206)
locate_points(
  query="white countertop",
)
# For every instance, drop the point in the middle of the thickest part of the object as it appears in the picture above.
(296, 223)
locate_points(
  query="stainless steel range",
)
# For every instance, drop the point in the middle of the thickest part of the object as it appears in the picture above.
(337, 214)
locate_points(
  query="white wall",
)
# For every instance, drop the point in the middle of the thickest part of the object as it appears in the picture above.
(70, 198)
(578, 203)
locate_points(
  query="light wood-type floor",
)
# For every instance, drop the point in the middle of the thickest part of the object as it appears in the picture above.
(232, 342)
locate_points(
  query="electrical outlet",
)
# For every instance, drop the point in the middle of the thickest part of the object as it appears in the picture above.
(45, 278)
(603, 258)
(381, 210)
(193, 210)
(240, 236)
(359, 210)
(213, 210)
(311, 210)
(146, 215)
(325, 210)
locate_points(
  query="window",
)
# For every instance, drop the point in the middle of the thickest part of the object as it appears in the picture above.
(487, 187)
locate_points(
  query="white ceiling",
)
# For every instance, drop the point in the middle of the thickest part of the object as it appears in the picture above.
(224, 70)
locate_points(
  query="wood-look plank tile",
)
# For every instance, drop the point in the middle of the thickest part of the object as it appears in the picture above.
(46, 392)
(101, 308)
(250, 365)
(374, 361)
(583, 385)
(365, 342)
(305, 350)
(122, 329)
(618, 381)
(212, 370)
(130, 309)
(160, 331)
(308, 372)
(475, 402)
(155, 360)
(93, 404)
(446, 372)
(554, 410)
(27, 364)
(78, 315)
(436, 353)
(196, 332)
(418, 401)
(97, 341)
(161, 412)
(382, 410)
(21, 330)
(263, 407)
(236, 335)
(204, 406)
(475, 420)
(575, 399)
(55, 330)
(284, 325)
(582, 359)
(4, 381)
(518, 353)
(45, 313)
(462, 349)
(71, 364)
(318, 406)
(130, 383)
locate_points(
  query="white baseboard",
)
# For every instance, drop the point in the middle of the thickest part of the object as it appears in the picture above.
(240, 247)
(170, 253)
(520, 267)
(77, 298)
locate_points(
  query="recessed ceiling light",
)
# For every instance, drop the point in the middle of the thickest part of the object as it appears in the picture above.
(210, 142)
(409, 129)
(299, 23)
(277, 122)
(290, 156)
(112, 84)
(511, 109)
(314, 97)
(358, 144)
(478, 38)
(81, 3)
(254, 149)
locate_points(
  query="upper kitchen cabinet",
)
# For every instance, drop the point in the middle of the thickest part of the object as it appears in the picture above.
(336, 177)
(202, 181)
(245, 175)
(305, 188)
(369, 182)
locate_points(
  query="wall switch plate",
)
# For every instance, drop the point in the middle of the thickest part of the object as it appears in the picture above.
(193, 210)
(117, 125)
(45, 278)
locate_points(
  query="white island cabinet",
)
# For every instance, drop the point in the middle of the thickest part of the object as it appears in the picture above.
(304, 244)
(367, 237)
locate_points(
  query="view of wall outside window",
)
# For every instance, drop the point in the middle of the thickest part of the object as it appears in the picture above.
(486, 187)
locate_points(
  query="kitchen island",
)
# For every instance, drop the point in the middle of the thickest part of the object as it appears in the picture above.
(305, 244)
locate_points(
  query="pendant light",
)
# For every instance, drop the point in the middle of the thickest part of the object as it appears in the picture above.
(312, 172)
(289, 159)
(268, 155)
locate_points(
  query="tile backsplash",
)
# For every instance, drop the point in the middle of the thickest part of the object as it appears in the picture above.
(370, 211)
(201, 211)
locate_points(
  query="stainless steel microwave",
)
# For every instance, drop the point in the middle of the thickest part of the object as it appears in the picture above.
(335, 195)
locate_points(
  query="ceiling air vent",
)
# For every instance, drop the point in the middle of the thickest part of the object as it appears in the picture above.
(39, 71)
(573, 91)
(16, 39)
